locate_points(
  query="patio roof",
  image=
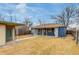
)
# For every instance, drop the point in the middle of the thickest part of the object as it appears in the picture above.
(10, 23)
(49, 26)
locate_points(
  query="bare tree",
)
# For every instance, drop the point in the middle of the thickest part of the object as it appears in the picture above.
(77, 21)
(10, 12)
(65, 15)
(28, 23)
(69, 12)
(60, 18)
(1, 17)
(40, 21)
(15, 18)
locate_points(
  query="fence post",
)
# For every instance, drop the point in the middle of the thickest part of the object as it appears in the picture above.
(76, 38)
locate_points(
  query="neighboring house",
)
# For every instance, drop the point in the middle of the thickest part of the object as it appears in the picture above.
(56, 30)
(7, 31)
(74, 29)
(21, 30)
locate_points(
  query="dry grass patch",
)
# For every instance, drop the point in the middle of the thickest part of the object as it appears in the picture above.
(43, 45)
(23, 36)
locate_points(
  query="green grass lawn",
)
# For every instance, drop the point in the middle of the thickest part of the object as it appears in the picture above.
(43, 45)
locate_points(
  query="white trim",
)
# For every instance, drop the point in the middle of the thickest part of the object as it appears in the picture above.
(13, 33)
(56, 32)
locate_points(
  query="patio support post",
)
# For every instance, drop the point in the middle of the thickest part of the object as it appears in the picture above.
(77, 36)
(36, 31)
(13, 34)
(46, 31)
(17, 31)
(56, 32)
(42, 31)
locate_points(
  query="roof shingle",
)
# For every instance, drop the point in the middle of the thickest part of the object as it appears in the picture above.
(49, 26)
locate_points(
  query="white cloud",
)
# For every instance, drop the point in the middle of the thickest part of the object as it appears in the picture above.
(40, 10)
(21, 8)
(32, 12)
(35, 24)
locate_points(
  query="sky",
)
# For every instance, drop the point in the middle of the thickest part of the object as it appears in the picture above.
(33, 11)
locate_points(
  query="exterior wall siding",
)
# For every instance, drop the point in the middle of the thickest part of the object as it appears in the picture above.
(10, 33)
(34, 31)
(57, 32)
(50, 33)
(62, 32)
(2, 34)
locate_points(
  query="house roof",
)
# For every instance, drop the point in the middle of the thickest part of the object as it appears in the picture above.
(49, 26)
(10, 23)
(73, 29)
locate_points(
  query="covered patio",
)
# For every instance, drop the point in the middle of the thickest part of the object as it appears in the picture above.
(56, 30)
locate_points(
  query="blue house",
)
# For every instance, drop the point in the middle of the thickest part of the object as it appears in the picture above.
(56, 30)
